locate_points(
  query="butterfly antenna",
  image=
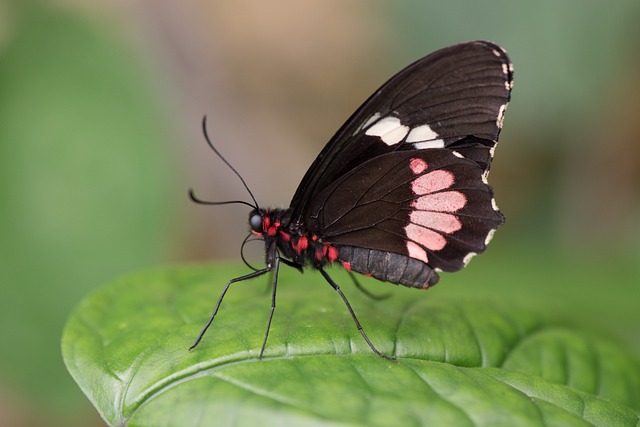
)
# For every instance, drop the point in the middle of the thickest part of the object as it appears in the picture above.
(244, 242)
(199, 201)
(215, 150)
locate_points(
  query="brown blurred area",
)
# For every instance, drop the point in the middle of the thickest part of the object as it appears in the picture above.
(275, 80)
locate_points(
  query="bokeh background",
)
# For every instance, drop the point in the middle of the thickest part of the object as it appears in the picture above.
(100, 110)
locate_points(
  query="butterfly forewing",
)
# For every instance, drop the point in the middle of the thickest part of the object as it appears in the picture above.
(454, 98)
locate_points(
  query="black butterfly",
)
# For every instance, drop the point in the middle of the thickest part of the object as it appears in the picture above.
(400, 192)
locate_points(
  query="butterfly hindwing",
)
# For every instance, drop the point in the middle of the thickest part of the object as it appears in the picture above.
(453, 98)
(432, 206)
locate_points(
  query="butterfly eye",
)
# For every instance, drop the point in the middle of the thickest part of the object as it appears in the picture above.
(255, 222)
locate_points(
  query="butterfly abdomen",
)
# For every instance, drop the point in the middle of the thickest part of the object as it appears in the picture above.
(387, 266)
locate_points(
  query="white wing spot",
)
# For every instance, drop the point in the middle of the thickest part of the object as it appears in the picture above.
(505, 68)
(368, 123)
(421, 133)
(468, 257)
(457, 154)
(389, 129)
(494, 205)
(489, 236)
(395, 136)
(500, 119)
(436, 143)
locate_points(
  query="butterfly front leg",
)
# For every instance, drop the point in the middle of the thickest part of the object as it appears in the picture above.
(276, 268)
(222, 294)
(272, 264)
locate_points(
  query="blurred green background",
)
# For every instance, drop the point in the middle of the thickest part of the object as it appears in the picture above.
(100, 109)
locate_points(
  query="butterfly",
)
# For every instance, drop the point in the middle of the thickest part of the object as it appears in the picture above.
(400, 192)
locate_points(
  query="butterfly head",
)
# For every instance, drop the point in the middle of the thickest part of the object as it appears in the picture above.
(266, 223)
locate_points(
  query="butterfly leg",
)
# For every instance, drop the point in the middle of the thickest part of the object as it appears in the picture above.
(292, 264)
(224, 291)
(365, 290)
(335, 286)
(276, 267)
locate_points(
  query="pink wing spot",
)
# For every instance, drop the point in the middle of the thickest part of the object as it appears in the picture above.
(428, 238)
(417, 252)
(432, 182)
(447, 201)
(418, 166)
(439, 221)
(346, 265)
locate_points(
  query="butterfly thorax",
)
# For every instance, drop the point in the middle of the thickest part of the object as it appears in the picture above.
(292, 241)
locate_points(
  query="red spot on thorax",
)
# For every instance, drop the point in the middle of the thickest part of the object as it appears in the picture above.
(332, 253)
(267, 227)
(327, 251)
(301, 245)
(314, 237)
(272, 230)
(285, 236)
(367, 274)
(347, 265)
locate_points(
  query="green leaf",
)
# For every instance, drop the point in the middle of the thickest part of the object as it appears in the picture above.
(460, 361)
